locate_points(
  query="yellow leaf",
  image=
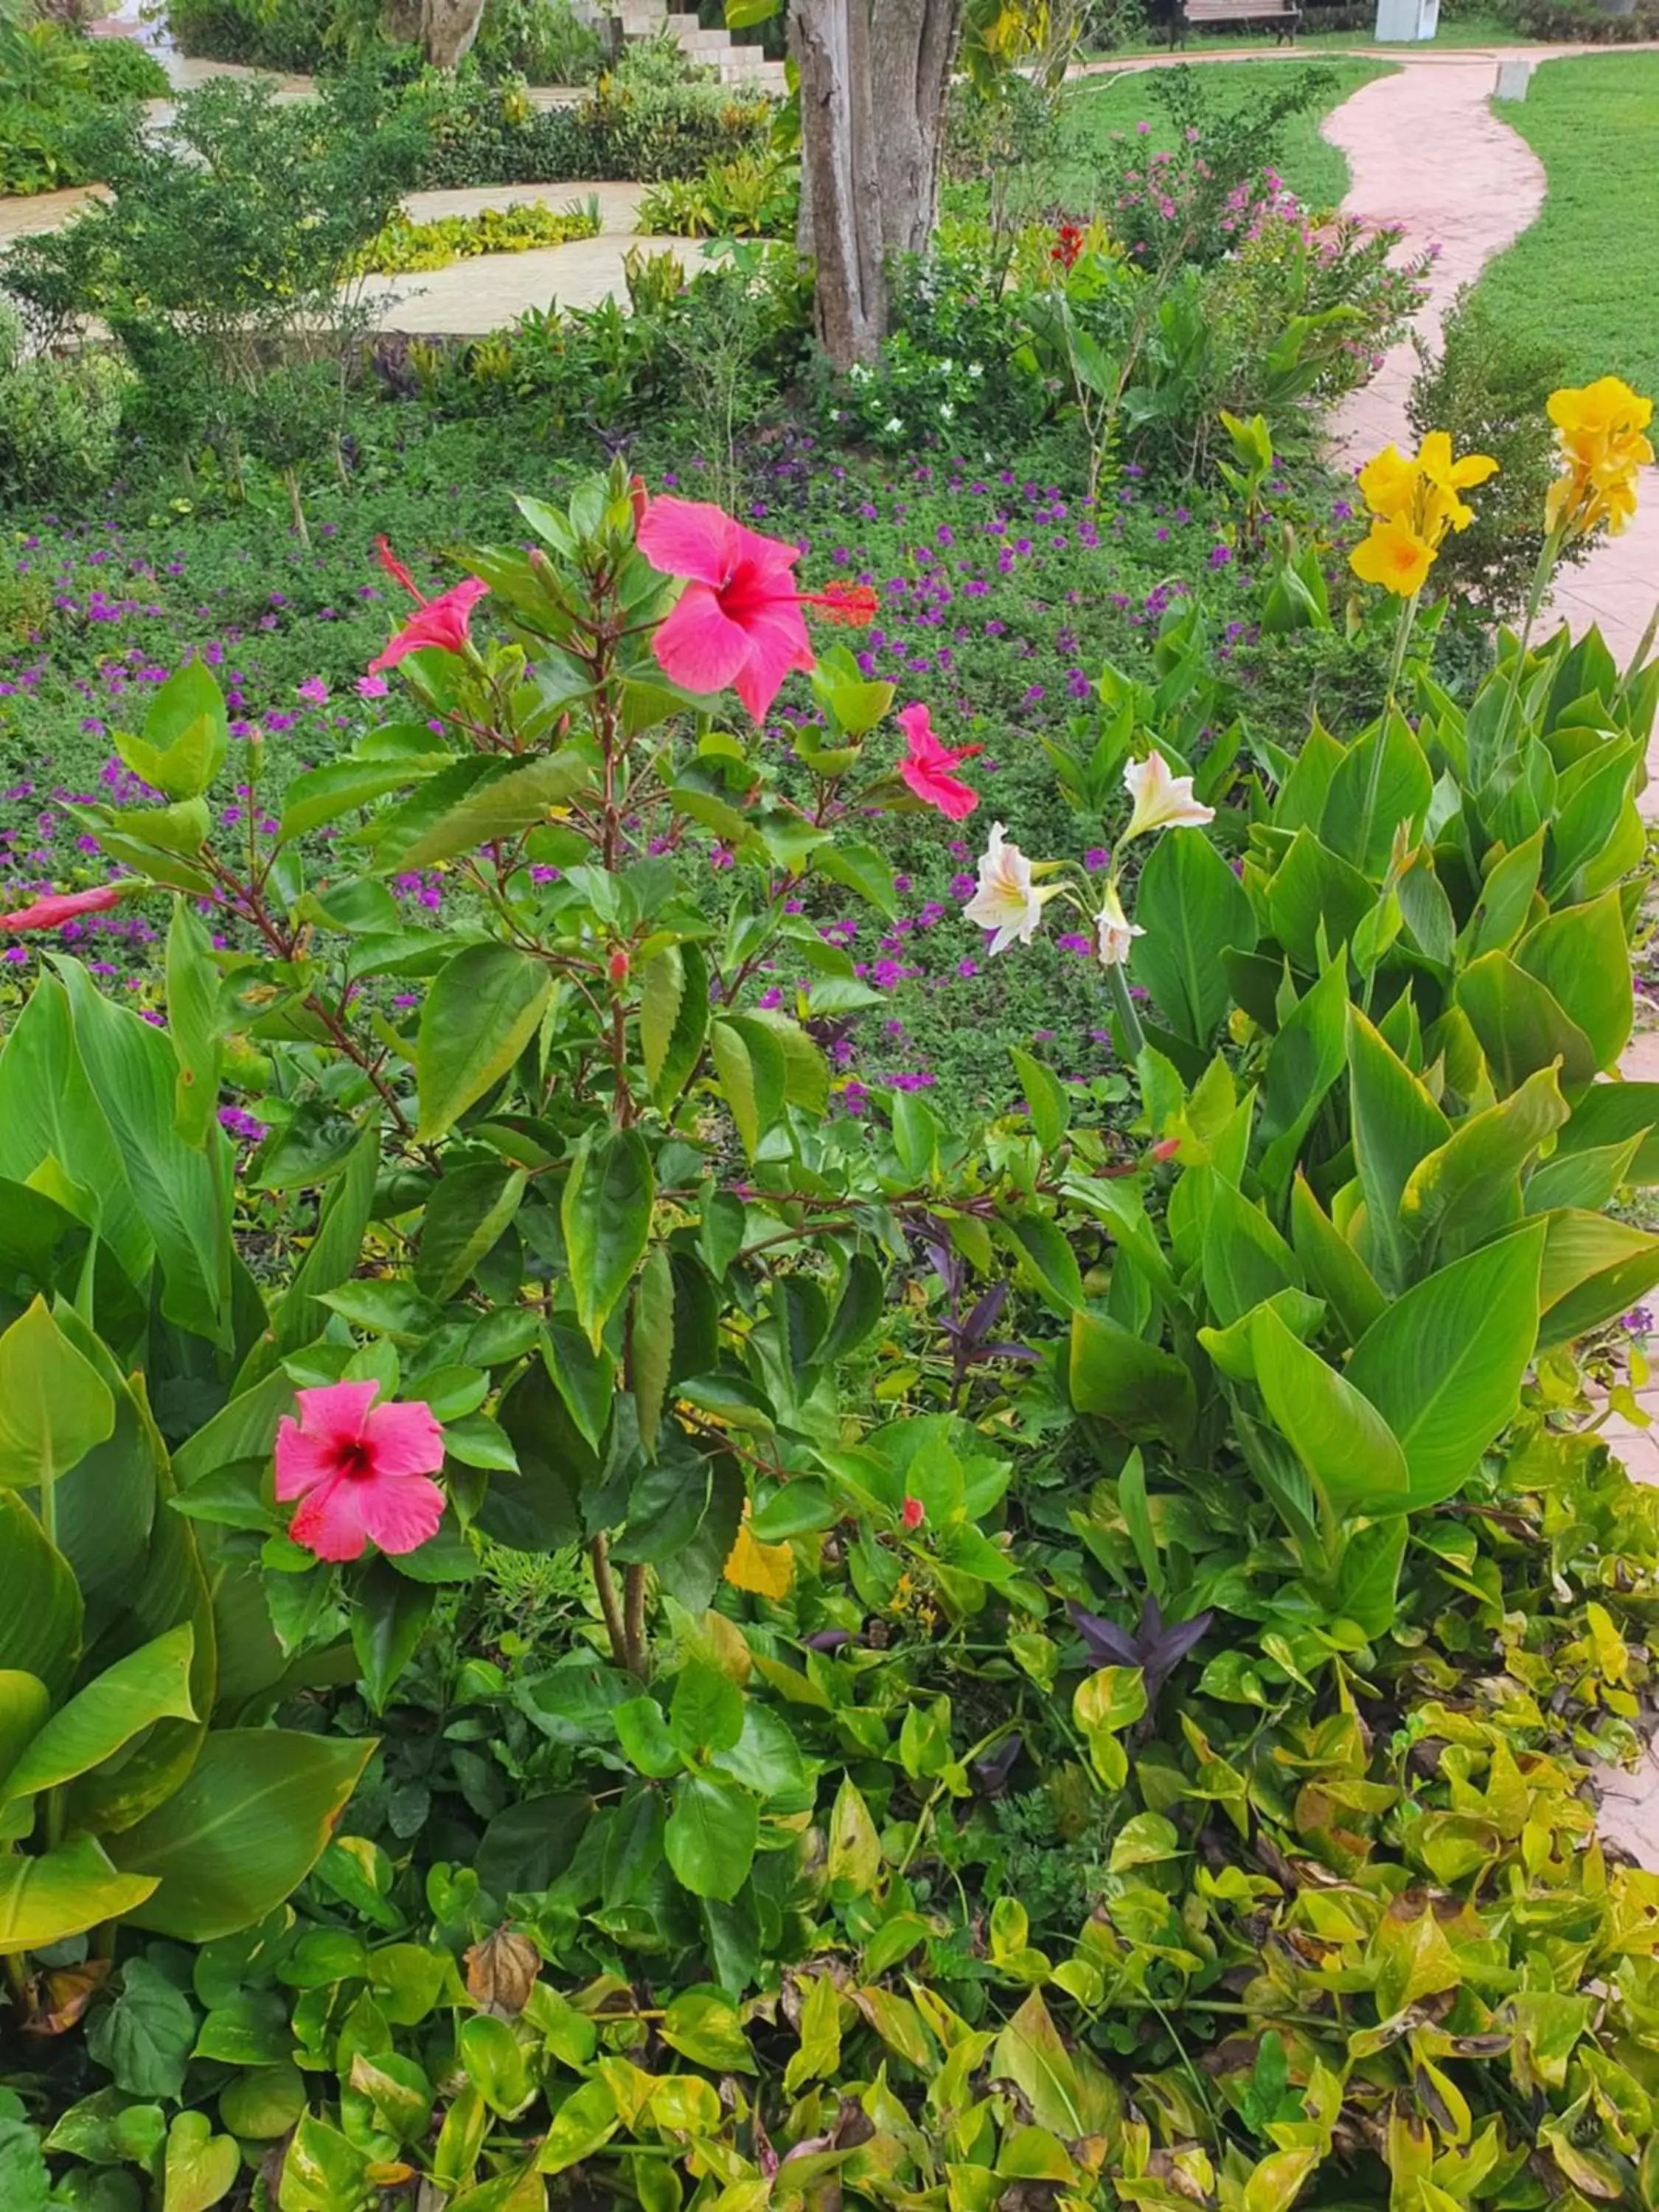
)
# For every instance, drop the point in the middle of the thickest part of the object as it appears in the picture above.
(767, 1570)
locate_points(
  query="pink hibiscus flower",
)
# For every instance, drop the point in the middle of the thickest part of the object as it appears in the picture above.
(60, 907)
(738, 619)
(444, 622)
(360, 1471)
(928, 764)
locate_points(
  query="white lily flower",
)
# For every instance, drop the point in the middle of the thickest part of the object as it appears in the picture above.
(1162, 801)
(1116, 932)
(1007, 901)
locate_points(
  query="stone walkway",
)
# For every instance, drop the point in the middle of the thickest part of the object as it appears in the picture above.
(471, 298)
(1426, 150)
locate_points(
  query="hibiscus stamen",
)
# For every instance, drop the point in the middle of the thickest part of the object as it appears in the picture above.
(842, 600)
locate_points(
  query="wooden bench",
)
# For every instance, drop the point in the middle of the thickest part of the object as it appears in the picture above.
(1283, 15)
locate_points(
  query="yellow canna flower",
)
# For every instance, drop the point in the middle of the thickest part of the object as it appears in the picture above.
(1607, 409)
(1434, 458)
(1395, 556)
(1598, 429)
(1388, 484)
(1417, 498)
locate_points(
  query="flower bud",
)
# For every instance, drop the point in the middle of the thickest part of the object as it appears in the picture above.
(617, 966)
(638, 498)
(913, 1513)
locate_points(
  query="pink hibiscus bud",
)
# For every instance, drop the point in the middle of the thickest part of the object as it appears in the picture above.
(1166, 1148)
(361, 1472)
(395, 568)
(913, 1513)
(928, 764)
(617, 966)
(60, 907)
(639, 499)
(445, 622)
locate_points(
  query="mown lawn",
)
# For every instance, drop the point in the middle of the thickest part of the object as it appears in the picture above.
(1581, 276)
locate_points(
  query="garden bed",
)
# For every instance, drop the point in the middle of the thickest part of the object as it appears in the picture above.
(808, 1229)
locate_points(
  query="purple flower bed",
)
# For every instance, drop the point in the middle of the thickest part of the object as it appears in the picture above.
(1000, 598)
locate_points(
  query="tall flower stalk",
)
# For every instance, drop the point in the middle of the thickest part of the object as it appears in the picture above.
(1599, 430)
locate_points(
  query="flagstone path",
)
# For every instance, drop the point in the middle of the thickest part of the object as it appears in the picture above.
(1426, 151)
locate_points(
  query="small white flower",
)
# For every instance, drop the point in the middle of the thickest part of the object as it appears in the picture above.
(894, 426)
(1116, 932)
(858, 371)
(975, 368)
(946, 412)
(1162, 801)
(1007, 901)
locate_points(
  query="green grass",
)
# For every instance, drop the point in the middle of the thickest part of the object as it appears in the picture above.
(1467, 31)
(1581, 276)
(1315, 172)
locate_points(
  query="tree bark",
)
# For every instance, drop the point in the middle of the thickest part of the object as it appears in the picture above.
(874, 76)
(913, 43)
(447, 29)
(838, 162)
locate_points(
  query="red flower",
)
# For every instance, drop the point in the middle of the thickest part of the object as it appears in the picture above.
(913, 1513)
(443, 621)
(1068, 244)
(360, 1471)
(928, 764)
(60, 907)
(617, 965)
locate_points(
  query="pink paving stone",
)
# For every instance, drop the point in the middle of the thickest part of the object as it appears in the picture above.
(1425, 151)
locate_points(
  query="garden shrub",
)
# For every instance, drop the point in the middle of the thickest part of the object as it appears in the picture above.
(403, 245)
(54, 87)
(120, 69)
(649, 119)
(1580, 22)
(290, 35)
(752, 196)
(59, 418)
(1488, 388)
(222, 244)
(481, 133)
(542, 40)
(545, 40)
(634, 126)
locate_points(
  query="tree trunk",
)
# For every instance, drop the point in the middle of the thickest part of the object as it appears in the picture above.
(448, 28)
(913, 43)
(838, 164)
(874, 75)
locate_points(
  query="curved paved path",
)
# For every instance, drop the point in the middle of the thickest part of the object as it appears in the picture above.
(1425, 150)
